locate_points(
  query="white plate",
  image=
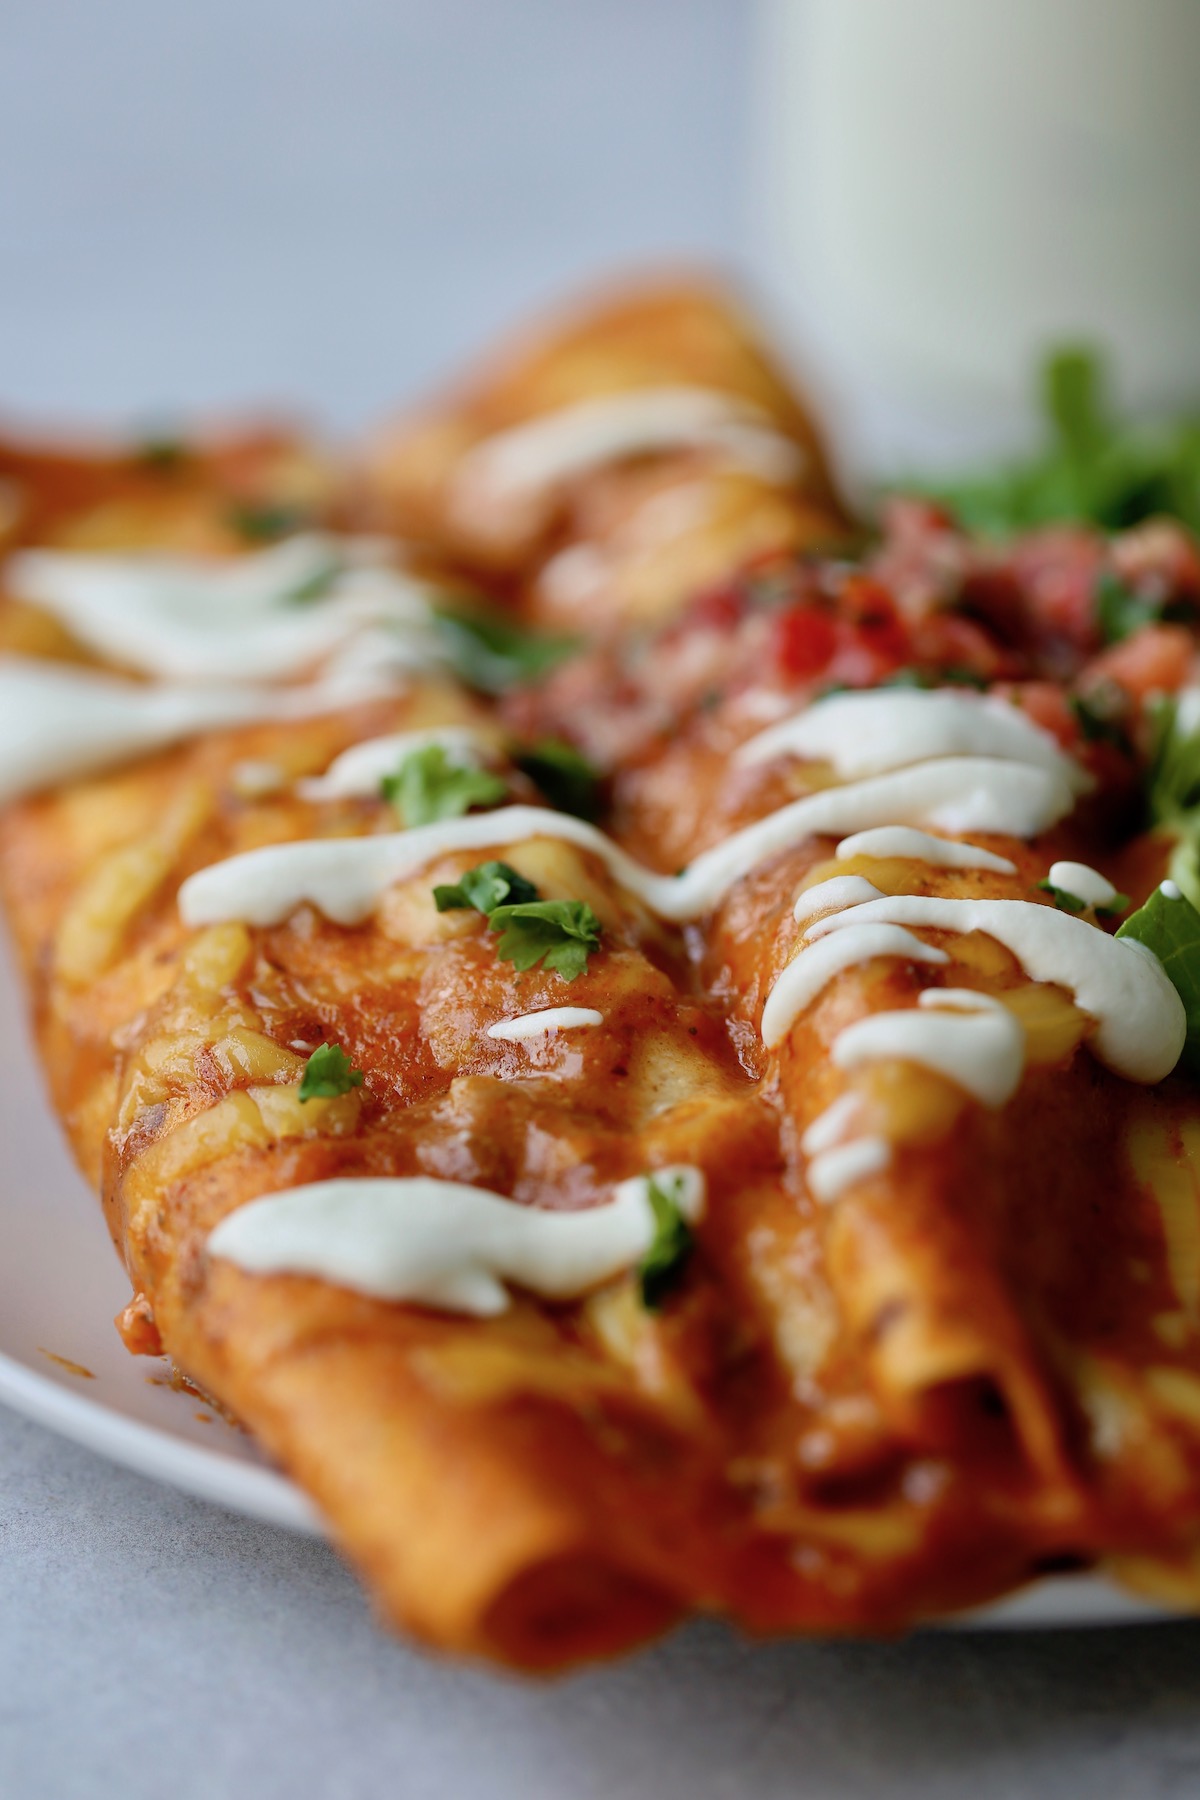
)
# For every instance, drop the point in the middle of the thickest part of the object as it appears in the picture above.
(61, 1283)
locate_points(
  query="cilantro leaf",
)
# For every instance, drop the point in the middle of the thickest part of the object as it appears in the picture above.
(564, 775)
(1100, 713)
(1120, 611)
(265, 522)
(328, 1073)
(162, 453)
(429, 785)
(664, 1262)
(485, 888)
(560, 934)
(1170, 927)
(1173, 781)
(492, 653)
(1066, 901)
(315, 586)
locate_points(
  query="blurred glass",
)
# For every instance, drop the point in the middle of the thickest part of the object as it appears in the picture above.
(947, 186)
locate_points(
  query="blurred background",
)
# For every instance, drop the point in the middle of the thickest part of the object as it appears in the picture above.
(332, 205)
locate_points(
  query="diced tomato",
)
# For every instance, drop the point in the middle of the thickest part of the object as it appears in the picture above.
(721, 607)
(1058, 570)
(804, 641)
(868, 606)
(1046, 705)
(1154, 660)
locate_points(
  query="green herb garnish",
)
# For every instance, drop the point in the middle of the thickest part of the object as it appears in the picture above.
(315, 586)
(328, 1073)
(429, 785)
(1170, 927)
(564, 775)
(485, 888)
(265, 523)
(560, 934)
(1094, 468)
(1066, 901)
(162, 454)
(664, 1262)
(491, 653)
(1100, 713)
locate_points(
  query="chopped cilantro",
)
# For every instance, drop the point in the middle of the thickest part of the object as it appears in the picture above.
(1066, 901)
(1120, 611)
(163, 454)
(315, 586)
(429, 785)
(328, 1073)
(486, 887)
(663, 1263)
(265, 522)
(493, 653)
(1171, 929)
(1100, 713)
(1173, 782)
(560, 934)
(564, 775)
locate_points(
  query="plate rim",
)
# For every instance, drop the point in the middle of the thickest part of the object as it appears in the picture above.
(151, 1451)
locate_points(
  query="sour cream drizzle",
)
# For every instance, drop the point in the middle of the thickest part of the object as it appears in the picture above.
(540, 1024)
(830, 1173)
(907, 844)
(360, 770)
(815, 967)
(977, 1043)
(245, 618)
(868, 732)
(832, 895)
(1141, 1023)
(347, 877)
(1087, 884)
(445, 1244)
(58, 723)
(524, 462)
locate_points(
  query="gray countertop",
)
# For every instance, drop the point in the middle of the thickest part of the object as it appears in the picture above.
(330, 203)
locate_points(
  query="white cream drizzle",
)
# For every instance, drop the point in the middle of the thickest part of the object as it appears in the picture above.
(522, 464)
(1085, 883)
(976, 1042)
(832, 895)
(833, 1171)
(195, 620)
(906, 843)
(58, 722)
(540, 1024)
(875, 729)
(346, 877)
(816, 965)
(360, 770)
(445, 1244)
(831, 1126)
(1141, 1023)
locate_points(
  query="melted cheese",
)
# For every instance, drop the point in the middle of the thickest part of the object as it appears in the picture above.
(877, 729)
(905, 842)
(444, 1244)
(1141, 1023)
(967, 1037)
(245, 618)
(525, 462)
(538, 1024)
(346, 878)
